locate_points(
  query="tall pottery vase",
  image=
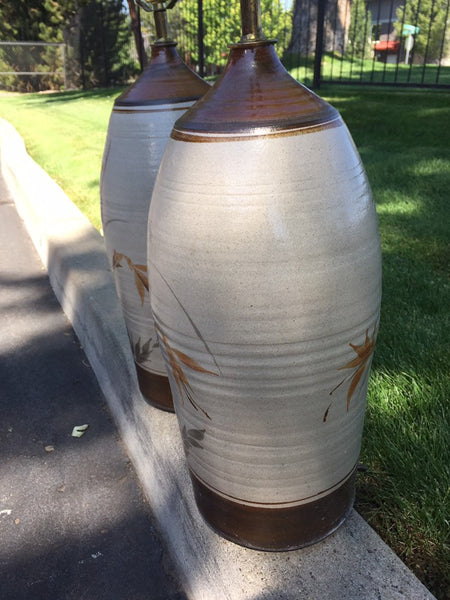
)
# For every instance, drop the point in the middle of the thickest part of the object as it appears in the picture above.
(264, 261)
(139, 127)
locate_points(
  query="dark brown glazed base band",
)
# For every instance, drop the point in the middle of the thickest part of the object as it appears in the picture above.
(155, 389)
(275, 529)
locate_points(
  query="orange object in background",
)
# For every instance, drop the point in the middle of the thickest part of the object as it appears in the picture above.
(390, 46)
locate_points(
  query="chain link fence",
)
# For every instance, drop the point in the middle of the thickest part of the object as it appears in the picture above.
(32, 66)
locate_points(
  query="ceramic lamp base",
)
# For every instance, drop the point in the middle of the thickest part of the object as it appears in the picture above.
(155, 389)
(275, 529)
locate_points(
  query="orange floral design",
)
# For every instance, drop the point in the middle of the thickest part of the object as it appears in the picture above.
(139, 271)
(358, 364)
(176, 360)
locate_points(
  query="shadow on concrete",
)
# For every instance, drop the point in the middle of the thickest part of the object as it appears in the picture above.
(73, 520)
(114, 563)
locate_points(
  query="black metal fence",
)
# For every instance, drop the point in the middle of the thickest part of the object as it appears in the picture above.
(374, 42)
(371, 42)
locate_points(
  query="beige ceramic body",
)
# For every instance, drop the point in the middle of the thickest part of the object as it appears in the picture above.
(265, 267)
(136, 139)
(139, 127)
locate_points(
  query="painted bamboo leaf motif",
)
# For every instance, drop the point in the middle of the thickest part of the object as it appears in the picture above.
(142, 353)
(139, 272)
(116, 260)
(363, 353)
(140, 279)
(190, 362)
(176, 360)
(192, 438)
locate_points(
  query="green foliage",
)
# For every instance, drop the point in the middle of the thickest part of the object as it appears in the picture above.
(29, 20)
(97, 33)
(277, 23)
(45, 61)
(359, 30)
(222, 26)
(22, 19)
(105, 43)
(61, 15)
(432, 17)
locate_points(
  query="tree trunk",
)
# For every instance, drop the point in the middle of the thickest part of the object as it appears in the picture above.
(337, 17)
(136, 28)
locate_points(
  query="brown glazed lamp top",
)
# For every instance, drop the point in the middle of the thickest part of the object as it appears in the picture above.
(165, 80)
(255, 94)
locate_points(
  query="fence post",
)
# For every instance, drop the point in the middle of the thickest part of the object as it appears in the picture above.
(201, 46)
(63, 47)
(81, 38)
(319, 43)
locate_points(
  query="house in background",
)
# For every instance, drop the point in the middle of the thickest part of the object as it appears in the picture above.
(428, 45)
(386, 44)
(337, 25)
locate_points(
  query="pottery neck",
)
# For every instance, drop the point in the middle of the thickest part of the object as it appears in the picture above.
(251, 21)
(161, 26)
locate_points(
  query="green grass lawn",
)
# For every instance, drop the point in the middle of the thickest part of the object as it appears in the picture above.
(403, 138)
(379, 72)
(65, 133)
(336, 68)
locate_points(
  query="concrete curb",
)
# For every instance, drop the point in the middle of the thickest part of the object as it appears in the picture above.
(353, 564)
